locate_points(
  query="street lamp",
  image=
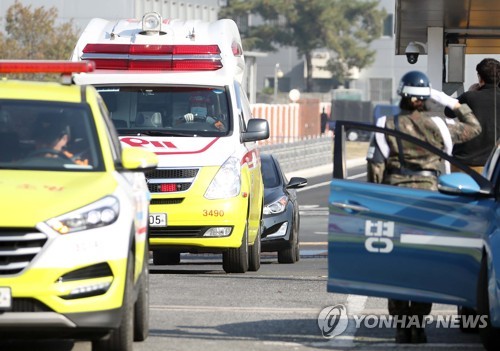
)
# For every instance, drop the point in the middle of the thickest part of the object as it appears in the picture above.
(277, 74)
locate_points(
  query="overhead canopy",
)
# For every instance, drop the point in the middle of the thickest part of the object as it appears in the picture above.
(475, 23)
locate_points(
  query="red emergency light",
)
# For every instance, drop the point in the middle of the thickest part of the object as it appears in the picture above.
(168, 187)
(154, 57)
(33, 66)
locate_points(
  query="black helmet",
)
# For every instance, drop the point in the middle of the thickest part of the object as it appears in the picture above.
(415, 84)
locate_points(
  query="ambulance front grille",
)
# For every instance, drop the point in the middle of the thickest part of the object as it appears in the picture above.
(182, 178)
(18, 247)
(178, 232)
(172, 173)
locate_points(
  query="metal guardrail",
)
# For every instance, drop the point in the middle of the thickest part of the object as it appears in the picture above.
(302, 154)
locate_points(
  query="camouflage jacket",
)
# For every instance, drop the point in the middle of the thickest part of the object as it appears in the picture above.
(420, 125)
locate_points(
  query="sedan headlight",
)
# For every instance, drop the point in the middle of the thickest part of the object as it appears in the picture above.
(98, 214)
(227, 181)
(277, 206)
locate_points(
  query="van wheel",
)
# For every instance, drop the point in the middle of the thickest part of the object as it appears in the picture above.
(166, 257)
(236, 260)
(141, 306)
(121, 339)
(254, 257)
(490, 336)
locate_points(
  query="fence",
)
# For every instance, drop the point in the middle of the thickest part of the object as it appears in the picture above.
(295, 134)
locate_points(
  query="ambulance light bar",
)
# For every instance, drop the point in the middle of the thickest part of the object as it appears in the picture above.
(154, 57)
(33, 66)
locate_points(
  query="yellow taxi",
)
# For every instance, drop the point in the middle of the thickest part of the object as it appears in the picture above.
(73, 214)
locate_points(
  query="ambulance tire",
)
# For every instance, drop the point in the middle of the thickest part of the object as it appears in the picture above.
(166, 257)
(236, 260)
(122, 339)
(141, 306)
(254, 257)
(490, 336)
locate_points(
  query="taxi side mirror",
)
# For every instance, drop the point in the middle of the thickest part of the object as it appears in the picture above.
(134, 158)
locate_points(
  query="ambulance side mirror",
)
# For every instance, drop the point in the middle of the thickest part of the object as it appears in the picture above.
(257, 129)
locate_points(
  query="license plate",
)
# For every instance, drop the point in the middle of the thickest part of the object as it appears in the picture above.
(157, 219)
(5, 298)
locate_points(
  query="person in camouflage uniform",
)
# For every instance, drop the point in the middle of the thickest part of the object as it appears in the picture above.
(416, 167)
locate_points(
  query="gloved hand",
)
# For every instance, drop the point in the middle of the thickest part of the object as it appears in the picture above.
(189, 117)
(443, 99)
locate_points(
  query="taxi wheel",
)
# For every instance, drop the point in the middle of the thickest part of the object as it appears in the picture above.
(236, 260)
(490, 336)
(166, 257)
(122, 339)
(141, 307)
(254, 257)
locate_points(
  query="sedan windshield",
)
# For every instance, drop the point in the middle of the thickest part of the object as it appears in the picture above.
(47, 136)
(168, 111)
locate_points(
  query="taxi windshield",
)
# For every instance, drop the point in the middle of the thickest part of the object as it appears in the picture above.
(169, 111)
(53, 136)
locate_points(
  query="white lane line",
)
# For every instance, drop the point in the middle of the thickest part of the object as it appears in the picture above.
(236, 309)
(355, 305)
(314, 186)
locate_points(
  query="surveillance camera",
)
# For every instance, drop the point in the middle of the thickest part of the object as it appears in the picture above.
(412, 53)
(412, 57)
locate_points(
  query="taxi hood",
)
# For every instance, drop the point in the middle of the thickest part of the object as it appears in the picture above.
(185, 151)
(30, 197)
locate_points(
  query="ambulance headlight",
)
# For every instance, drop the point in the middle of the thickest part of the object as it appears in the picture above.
(227, 181)
(151, 22)
(98, 214)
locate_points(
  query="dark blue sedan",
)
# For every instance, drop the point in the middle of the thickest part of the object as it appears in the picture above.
(281, 218)
(438, 246)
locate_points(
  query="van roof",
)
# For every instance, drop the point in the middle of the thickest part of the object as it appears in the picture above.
(153, 44)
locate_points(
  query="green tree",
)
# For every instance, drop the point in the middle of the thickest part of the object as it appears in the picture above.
(31, 34)
(346, 27)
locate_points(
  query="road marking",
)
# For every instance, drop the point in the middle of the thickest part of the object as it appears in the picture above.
(355, 304)
(313, 243)
(237, 309)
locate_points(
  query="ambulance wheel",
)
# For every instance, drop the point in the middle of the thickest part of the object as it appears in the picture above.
(122, 339)
(236, 260)
(166, 257)
(141, 306)
(254, 257)
(490, 336)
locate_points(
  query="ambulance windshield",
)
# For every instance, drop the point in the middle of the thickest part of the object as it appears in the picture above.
(173, 111)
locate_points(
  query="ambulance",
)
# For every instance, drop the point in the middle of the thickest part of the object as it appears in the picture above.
(73, 214)
(175, 88)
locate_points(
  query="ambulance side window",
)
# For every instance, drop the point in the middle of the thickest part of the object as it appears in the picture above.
(244, 111)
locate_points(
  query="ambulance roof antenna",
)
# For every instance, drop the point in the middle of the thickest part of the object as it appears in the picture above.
(191, 35)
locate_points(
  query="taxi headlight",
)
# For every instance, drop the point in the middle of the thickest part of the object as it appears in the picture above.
(98, 214)
(226, 182)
